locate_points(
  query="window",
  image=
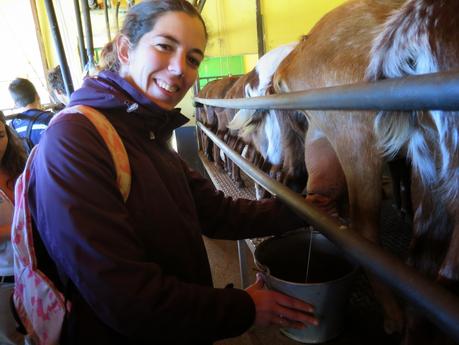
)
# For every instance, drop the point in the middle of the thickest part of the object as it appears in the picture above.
(20, 55)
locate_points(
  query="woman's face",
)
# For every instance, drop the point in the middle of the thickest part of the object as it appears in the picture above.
(3, 140)
(164, 64)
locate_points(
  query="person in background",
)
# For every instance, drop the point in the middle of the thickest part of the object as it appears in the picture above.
(137, 272)
(31, 120)
(56, 82)
(12, 161)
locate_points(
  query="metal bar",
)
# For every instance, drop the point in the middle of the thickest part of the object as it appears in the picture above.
(117, 10)
(107, 20)
(440, 305)
(435, 91)
(59, 47)
(81, 47)
(260, 32)
(201, 5)
(243, 267)
(88, 33)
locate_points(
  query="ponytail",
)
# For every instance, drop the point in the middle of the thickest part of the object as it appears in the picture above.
(109, 57)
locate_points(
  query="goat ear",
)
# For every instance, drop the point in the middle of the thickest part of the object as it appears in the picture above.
(123, 48)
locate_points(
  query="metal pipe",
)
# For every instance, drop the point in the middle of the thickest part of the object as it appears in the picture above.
(107, 21)
(440, 305)
(260, 32)
(242, 254)
(59, 47)
(117, 11)
(435, 91)
(81, 47)
(201, 5)
(88, 34)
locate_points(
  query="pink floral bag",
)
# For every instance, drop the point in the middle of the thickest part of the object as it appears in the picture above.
(40, 306)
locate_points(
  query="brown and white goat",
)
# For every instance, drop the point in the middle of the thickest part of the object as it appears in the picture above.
(423, 37)
(341, 153)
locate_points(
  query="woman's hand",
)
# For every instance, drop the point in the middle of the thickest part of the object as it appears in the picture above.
(275, 308)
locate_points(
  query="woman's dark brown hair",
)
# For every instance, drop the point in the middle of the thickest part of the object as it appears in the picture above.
(14, 159)
(140, 20)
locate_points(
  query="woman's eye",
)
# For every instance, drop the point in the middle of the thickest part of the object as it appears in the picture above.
(164, 47)
(194, 62)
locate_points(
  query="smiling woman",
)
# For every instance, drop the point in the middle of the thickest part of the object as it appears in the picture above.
(164, 64)
(137, 269)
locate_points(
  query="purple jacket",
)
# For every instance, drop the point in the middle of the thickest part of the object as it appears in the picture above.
(139, 269)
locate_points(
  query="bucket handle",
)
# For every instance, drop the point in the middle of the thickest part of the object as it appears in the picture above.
(265, 273)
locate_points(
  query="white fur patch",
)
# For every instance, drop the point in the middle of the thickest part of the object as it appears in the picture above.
(267, 66)
(421, 158)
(241, 119)
(273, 132)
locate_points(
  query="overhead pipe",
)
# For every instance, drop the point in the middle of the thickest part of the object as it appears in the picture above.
(439, 304)
(260, 31)
(59, 47)
(435, 91)
(88, 33)
(81, 47)
(117, 11)
(107, 21)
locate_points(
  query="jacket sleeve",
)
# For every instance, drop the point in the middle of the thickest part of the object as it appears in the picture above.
(87, 231)
(225, 218)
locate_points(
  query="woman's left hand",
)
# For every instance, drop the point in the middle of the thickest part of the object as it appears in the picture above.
(275, 308)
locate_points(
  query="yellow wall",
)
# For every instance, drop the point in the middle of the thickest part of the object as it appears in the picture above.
(232, 23)
(232, 27)
(286, 21)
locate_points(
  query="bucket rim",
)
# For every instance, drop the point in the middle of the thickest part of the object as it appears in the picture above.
(328, 282)
(354, 267)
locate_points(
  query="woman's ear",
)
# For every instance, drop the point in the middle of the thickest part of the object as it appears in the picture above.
(123, 45)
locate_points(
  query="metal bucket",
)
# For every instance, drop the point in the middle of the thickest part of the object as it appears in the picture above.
(283, 261)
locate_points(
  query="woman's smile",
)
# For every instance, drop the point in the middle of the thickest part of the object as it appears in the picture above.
(166, 86)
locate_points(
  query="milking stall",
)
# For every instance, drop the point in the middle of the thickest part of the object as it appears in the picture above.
(346, 111)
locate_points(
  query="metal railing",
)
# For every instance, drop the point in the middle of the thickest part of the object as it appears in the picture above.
(436, 91)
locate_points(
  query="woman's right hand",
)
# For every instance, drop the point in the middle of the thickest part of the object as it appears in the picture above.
(275, 308)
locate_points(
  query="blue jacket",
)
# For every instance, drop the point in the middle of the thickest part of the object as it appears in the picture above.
(38, 119)
(139, 270)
